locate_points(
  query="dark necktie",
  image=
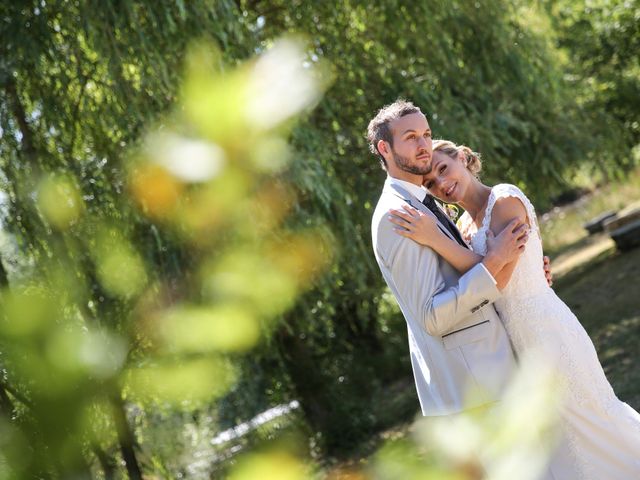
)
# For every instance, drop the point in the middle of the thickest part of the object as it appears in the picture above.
(430, 203)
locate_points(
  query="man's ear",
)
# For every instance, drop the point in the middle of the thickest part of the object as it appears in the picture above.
(383, 147)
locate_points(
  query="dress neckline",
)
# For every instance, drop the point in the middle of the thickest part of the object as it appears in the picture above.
(483, 209)
(487, 210)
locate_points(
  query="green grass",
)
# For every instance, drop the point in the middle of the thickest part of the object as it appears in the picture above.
(603, 293)
(562, 227)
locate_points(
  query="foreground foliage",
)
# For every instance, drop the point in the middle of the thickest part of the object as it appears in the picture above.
(183, 250)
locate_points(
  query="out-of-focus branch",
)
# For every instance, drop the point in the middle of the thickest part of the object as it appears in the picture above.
(17, 108)
(125, 438)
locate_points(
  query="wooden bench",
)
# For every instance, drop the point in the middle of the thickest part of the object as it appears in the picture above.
(624, 228)
(627, 236)
(596, 225)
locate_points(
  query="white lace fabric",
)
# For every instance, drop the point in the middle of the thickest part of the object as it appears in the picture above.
(536, 319)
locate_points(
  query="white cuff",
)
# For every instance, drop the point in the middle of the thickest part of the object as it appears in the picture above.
(489, 273)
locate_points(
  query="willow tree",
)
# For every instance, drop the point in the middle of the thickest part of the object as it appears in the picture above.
(601, 40)
(80, 82)
(83, 81)
(486, 74)
(113, 244)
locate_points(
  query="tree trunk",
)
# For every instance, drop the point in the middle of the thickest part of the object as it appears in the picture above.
(125, 438)
(20, 115)
(106, 463)
(309, 384)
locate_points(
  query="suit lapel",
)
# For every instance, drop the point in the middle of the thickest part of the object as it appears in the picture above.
(398, 191)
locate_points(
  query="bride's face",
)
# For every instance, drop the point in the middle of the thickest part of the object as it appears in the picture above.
(448, 178)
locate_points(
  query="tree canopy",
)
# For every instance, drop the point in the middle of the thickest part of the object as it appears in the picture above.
(188, 191)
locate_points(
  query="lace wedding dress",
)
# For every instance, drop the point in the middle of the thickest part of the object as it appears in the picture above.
(601, 433)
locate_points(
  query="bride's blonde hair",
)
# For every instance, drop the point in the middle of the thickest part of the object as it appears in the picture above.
(472, 159)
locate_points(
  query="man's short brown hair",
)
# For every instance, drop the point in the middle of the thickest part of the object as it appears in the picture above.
(379, 127)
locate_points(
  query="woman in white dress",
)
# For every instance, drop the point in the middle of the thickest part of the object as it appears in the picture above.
(601, 433)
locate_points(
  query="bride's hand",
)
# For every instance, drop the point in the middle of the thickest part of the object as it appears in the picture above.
(414, 224)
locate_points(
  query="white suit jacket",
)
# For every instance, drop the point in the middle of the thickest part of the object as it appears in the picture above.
(456, 339)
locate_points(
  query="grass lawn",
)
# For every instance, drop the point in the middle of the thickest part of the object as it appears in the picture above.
(603, 293)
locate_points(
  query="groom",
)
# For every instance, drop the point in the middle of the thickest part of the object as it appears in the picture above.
(456, 340)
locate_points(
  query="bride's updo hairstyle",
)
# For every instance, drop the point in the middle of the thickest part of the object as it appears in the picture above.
(472, 159)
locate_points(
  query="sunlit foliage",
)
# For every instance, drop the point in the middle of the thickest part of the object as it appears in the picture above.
(186, 235)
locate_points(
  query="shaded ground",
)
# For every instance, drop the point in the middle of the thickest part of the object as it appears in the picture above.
(604, 294)
(600, 284)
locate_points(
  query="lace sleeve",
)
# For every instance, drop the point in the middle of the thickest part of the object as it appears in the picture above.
(504, 190)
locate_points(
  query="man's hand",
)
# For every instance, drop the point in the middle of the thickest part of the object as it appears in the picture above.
(506, 247)
(546, 265)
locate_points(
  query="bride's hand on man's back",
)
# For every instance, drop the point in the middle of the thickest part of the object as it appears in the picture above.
(546, 266)
(414, 224)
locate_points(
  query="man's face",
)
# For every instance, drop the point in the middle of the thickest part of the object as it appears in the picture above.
(412, 147)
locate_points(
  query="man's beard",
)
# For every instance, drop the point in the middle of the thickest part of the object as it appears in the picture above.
(405, 164)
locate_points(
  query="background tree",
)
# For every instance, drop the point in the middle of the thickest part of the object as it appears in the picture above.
(601, 41)
(90, 198)
(486, 74)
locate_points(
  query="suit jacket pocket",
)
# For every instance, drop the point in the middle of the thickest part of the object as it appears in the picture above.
(465, 335)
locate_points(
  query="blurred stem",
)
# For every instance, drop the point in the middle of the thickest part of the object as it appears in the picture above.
(6, 405)
(17, 395)
(106, 463)
(125, 437)
(4, 279)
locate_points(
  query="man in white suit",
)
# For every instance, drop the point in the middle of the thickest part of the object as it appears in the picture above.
(456, 340)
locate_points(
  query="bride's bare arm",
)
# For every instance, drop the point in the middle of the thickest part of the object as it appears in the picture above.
(423, 229)
(460, 258)
(506, 210)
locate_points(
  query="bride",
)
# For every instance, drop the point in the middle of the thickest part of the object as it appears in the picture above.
(602, 433)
